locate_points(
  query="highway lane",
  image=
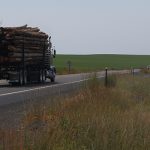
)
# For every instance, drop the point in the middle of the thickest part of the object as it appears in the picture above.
(13, 94)
(60, 79)
(64, 83)
(16, 101)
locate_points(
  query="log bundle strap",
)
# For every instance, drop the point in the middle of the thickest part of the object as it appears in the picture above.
(16, 40)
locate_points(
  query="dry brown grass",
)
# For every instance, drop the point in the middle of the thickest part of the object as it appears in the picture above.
(145, 70)
(97, 118)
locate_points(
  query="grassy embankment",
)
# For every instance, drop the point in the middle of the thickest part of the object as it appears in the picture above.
(87, 63)
(96, 118)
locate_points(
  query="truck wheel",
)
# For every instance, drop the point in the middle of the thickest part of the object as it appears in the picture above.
(52, 79)
(40, 76)
(20, 79)
(25, 78)
(44, 76)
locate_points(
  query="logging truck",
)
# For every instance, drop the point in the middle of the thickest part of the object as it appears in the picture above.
(26, 55)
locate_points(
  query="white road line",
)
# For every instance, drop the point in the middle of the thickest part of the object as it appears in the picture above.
(44, 87)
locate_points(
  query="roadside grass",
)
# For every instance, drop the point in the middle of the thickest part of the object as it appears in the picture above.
(96, 118)
(145, 71)
(89, 63)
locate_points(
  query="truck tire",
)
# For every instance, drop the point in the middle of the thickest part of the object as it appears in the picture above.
(44, 76)
(52, 79)
(40, 76)
(20, 79)
(25, 78)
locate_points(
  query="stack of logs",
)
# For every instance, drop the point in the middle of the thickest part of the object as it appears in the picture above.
(27, 43)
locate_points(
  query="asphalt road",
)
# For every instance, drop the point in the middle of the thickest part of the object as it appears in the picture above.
(64, 83)
(16, 101)
(13, 94)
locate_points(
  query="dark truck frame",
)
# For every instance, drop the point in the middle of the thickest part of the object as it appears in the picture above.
(22, 73)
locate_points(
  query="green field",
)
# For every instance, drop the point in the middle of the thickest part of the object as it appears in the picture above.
(84, 63)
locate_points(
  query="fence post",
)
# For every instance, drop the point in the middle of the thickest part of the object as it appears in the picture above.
(133, 71)
(106, 76)
(69, 63)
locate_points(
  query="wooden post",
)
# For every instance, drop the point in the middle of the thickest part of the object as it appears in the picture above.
(69, 66)
(133, 71)
(106, 77)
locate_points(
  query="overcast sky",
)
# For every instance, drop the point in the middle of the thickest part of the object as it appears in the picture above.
(85, 26)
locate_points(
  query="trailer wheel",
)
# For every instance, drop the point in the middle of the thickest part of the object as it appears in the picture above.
(20, 78)
(52, 79)
(40, 76)
(25, 78)
(44, 76)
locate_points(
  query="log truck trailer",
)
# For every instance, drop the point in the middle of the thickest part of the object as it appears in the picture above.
(24, 72)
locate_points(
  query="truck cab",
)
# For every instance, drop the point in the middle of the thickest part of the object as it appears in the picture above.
(51, 73)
